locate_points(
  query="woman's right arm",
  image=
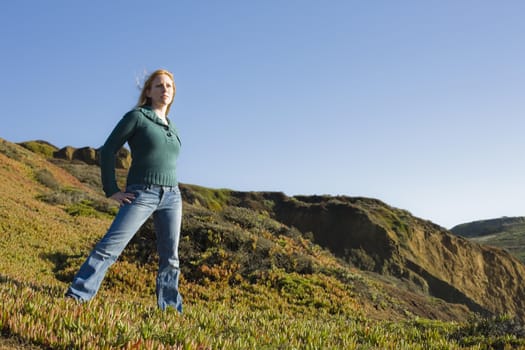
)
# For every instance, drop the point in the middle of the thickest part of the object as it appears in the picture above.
(118, 137)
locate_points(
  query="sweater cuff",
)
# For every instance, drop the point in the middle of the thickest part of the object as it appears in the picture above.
(111, 191)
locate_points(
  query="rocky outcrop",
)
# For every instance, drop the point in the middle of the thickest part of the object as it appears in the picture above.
(90, 156)
(87, 155)
(65, 153)
(123, 159)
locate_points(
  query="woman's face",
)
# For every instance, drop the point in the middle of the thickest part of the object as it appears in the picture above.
(161, 91)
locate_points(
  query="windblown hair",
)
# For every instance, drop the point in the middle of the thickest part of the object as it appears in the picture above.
(144, 100)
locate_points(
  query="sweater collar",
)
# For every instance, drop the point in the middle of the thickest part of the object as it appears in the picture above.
(150, 114)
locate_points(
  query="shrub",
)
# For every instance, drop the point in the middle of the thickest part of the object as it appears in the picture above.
(213, 199)
(63, 196)
(87, 174)
(83, 208)
(360, 259)
(10, 151)
(46, 178)
(79, 203)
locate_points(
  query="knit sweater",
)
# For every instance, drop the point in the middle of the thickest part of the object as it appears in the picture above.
(154, 150)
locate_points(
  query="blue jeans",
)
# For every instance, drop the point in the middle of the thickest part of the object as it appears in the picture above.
(165, 203)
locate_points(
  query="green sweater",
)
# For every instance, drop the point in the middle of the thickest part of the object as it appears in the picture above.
(154, 150)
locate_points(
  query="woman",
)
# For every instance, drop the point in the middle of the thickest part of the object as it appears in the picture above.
(152, 188)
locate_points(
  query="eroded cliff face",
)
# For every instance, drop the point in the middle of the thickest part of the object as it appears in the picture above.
(342, 227)
(391, 241)
(489, 277)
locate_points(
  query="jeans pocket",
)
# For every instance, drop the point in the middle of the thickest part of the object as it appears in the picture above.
(136, 190)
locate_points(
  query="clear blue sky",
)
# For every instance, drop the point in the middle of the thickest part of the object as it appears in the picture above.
(417, 103)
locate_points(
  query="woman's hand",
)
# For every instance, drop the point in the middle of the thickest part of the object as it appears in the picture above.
(123, 198)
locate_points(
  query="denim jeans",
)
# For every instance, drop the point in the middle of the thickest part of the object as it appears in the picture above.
(165, 203)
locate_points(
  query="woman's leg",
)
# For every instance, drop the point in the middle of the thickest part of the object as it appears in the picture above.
(167, 221)
(130, 217)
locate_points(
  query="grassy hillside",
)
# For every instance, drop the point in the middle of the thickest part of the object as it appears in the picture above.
(507, 233)
(248, 282)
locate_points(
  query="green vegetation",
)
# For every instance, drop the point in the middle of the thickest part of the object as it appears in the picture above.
(41, 316)
(248, 281)
(208, 198)
(41, 147)
(499, 332)
(46, 319)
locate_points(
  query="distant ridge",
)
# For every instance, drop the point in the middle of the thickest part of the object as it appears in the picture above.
(488, 227)
(507, 233)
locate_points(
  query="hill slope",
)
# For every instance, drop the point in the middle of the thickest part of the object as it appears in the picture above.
(58, 218)
(392, 242)
(330, 264)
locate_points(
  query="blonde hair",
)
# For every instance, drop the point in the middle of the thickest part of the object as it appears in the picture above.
(144, 100)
